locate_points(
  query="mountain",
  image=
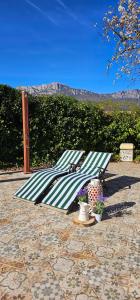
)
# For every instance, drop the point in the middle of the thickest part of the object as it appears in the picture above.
(80, 94)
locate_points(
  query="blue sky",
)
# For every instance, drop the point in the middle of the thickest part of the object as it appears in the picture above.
(44, 41)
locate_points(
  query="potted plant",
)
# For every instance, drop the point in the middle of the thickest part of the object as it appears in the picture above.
(84, 206)
(82, 195)
(99, 209)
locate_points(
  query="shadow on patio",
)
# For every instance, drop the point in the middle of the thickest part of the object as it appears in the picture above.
(120, 183)
(117, 210)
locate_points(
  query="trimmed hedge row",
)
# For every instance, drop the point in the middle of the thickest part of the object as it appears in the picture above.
(58, 123)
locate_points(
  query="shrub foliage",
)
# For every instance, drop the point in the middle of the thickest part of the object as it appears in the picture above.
(58, 123)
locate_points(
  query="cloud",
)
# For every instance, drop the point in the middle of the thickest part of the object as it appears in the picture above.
(67, 10)
(37, 8)
(71, 14)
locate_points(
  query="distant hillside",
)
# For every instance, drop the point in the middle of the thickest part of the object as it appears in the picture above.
(80, 94)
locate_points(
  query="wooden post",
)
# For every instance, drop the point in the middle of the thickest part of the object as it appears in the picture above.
(25, 132)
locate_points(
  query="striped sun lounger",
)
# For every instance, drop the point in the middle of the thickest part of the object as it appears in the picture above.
(65, 190)
(38, 182)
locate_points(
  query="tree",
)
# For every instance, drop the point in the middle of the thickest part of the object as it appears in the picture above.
(124, 27)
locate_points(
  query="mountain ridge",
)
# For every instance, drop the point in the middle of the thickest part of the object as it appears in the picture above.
(80, 94)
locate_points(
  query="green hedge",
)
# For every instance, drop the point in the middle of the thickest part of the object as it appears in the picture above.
(58, 123)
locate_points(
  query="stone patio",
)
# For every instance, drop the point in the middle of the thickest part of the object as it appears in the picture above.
(43, 255)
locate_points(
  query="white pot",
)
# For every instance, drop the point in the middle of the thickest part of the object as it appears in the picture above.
(84, 211)
(95, 182)
(97, 216)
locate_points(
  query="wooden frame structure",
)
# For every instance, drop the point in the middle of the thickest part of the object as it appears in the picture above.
(26, 143)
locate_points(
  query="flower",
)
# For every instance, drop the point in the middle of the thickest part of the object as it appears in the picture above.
(82, 195)
(123, 27)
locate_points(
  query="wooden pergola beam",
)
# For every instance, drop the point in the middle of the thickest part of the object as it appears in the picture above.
(26, 143)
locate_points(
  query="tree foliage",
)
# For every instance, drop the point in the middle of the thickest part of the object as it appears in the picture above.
(123, 26)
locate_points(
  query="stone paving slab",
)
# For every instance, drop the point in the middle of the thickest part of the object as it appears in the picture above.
(43, 255)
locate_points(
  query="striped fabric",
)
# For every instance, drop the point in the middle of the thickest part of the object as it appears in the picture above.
(66, 189)
(36, 185)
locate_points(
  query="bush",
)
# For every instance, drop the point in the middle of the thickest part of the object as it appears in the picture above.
(63, 123)
(10, 125)
(137, 159)
(115, 157)
(121, 129)
(60, 122)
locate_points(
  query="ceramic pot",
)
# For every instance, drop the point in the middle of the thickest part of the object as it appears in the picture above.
(84, 211)
(98, 217)
(95, 191)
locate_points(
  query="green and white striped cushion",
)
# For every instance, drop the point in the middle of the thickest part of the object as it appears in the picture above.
(66, 189)
(35, 186)
(93, 161)
(69, 156)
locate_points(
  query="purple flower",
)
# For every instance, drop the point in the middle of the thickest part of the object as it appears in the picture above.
(102, 199)
(82, 192)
